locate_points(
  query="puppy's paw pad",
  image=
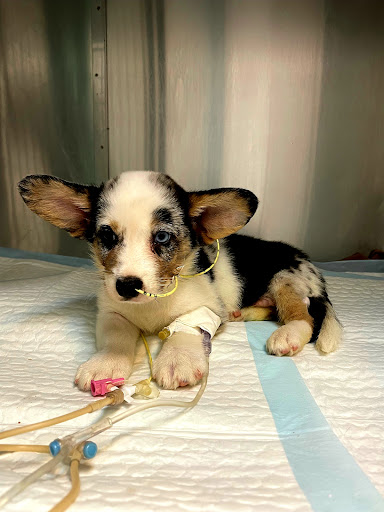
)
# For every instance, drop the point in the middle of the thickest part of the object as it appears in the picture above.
(236, 316)
(179, 366)
(285, 341)
(102, 366)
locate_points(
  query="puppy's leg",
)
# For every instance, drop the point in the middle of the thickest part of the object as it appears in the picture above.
(292, 311)
(116, 339)
(252, 313)
(330, 330)
(182, 361)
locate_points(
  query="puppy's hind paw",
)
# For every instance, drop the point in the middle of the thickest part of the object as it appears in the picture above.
(102, 365)
(236, 316)
(252, 313)
(289, 339)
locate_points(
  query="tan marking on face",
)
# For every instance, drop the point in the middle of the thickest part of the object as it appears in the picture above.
(105, 261)
(110, 261)
(96, 256)
(116, 228)
(168, 269)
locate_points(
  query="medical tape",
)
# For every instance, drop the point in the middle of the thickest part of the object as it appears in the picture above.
(200, 320)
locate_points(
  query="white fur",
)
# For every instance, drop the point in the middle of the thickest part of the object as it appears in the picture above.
(181, 361)
(115, 340)
(131, 204)
(331, 333)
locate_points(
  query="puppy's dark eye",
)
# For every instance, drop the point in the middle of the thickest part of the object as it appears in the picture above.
(162, 237)
(107, 237)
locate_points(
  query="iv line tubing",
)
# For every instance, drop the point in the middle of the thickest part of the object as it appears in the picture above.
(38, 448)
(72, 495)
(161, 403)
(89, 432)
(75, 487)
(30, 479)
(68, 442)
(95, 406)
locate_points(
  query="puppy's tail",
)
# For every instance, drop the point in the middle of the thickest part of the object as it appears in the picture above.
(327, 330)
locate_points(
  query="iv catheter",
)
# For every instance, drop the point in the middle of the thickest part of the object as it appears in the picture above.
(76, 446)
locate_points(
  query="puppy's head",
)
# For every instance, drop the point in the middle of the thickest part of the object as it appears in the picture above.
(142, 226)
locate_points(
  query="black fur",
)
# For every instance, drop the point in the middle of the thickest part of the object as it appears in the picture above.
(108, 238)
(318, 309)
(96, 206)
(256, 262)
(202, 263)
(163, 215)
(181, 197)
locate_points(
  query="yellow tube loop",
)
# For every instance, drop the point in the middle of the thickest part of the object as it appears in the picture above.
(147, 294)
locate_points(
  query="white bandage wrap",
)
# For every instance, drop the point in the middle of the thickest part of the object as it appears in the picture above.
(201, 319)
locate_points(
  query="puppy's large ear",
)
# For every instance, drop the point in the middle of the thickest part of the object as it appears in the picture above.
(220, 212)
(65, 205)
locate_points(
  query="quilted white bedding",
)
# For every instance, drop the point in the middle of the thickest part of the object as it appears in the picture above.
(270, 434)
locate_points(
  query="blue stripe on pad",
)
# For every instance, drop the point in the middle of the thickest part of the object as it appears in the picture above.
(324, 469)
(356, 266)
(329, 273)
(70, 261)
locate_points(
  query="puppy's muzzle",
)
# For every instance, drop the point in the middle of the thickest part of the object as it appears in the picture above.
(127, 286)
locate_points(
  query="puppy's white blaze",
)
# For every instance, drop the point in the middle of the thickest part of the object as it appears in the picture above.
(130, 205)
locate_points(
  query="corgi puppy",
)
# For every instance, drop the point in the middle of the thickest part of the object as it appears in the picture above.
(143, 228)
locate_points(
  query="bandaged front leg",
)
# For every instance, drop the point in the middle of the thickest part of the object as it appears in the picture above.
(183, 358)
(116, 341)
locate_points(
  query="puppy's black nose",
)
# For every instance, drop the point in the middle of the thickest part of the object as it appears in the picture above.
(127, 286)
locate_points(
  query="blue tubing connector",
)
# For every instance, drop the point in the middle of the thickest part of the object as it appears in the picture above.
(89, 449)
(55, 447)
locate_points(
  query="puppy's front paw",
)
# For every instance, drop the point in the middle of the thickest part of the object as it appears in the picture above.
(181, 362)
(102, 365)
(289, 339)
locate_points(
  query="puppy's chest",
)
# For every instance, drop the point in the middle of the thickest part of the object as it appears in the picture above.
(148, 319)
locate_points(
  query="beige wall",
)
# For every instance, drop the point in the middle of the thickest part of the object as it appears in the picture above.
(48, 123)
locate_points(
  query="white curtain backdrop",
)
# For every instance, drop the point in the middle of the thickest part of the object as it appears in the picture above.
(284, 97)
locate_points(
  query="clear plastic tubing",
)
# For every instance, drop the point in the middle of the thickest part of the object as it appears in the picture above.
(69, 442)
(30, 479)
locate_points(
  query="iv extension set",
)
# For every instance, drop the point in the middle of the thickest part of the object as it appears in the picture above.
(72, 448)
